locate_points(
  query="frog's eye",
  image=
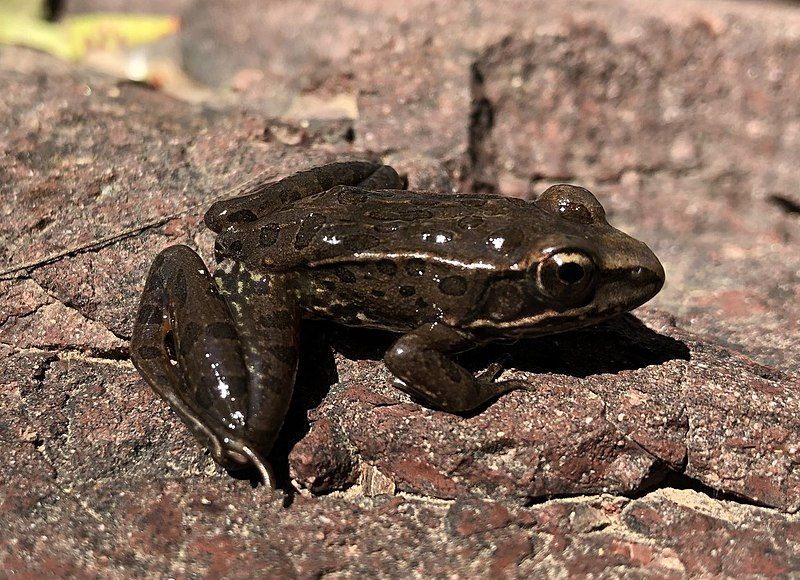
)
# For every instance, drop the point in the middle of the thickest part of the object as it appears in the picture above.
(566, 277)
(572, 203)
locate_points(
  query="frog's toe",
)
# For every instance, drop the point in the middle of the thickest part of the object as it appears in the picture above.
(494, 370)
(251, 458)
(239, 456)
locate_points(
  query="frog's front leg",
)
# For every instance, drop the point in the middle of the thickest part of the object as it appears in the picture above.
(419, 359)
(234, 343)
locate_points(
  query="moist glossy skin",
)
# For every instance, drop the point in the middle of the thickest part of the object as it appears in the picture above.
(344, 242)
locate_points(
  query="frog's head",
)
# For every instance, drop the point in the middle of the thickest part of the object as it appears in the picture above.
(577, 269)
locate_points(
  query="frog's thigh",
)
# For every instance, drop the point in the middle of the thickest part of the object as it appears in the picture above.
(211, 387)
(419, 359)
(261, 197)
(267, 319)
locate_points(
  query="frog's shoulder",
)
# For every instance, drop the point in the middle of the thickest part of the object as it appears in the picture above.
(349, 224)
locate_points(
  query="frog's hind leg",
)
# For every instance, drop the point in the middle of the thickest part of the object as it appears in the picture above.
(202, 371)
(260, 197)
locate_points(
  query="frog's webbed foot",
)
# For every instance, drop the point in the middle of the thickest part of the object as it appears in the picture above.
(419, 359)
(196, 353)
(260, 197)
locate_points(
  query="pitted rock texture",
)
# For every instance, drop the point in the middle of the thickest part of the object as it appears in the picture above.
(681, 118)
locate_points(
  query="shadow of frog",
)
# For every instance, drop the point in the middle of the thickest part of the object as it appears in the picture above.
(623, 343)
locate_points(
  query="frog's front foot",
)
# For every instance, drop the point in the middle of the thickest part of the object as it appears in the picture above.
(420, 360)
(214, 358)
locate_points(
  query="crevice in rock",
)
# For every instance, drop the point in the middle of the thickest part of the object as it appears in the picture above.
(785, 203)
(69, 306)
(40, 373)
(676, 480)
(480, 174)
(671, 480)
(104, 242)
(23, 315)
(39, 376)
(314, 380)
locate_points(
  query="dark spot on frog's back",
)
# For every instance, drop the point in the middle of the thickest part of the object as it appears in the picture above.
(221, 330)
(407, 291)
(453, 285)
(309, 227)
(387, 267)
(227, 247)
(359, 242)
(268, 234)
(242, 216)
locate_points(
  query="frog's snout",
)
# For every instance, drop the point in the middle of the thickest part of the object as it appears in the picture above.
(629, 278)
(645, 275)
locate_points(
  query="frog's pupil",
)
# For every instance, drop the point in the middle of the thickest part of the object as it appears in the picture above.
(570, 273)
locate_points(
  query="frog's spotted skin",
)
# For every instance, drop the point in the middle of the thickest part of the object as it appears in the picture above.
(344, 242)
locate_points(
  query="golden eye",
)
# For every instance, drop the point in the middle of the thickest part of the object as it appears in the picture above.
(566, 277)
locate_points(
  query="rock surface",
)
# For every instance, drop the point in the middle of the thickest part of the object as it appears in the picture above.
(676, 435)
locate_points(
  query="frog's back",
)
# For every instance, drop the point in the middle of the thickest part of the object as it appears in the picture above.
(347, 224)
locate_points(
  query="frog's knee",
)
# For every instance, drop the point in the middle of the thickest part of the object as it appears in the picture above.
(178, 253)
(394, 356)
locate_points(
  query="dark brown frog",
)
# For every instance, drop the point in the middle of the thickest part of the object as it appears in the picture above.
(344, 242)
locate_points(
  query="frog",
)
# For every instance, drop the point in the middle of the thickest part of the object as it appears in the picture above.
(348, 242)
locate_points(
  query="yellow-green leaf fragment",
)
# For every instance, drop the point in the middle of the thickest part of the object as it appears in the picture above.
(73, 37)
(114, 31)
